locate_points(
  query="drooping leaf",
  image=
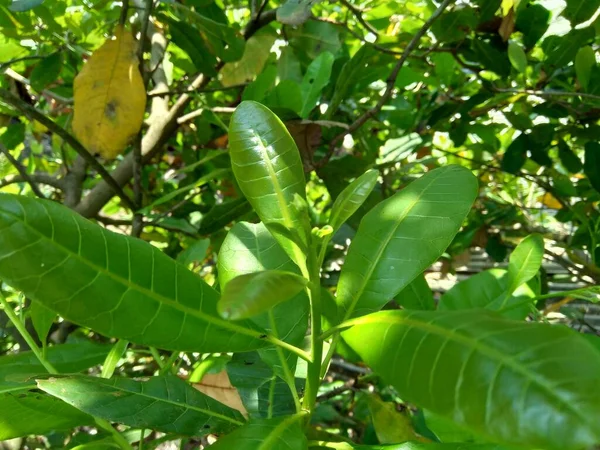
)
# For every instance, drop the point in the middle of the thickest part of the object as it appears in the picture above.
(256, 53)
(578, 11)
(267, 165)
(116, 285)
(417, 295)
(489, 374)
(266, 434)
(46, 71)
(351, 198)
(517, 56)
(17, 370)
(391, 426)
(584, 62)
(533, 21)
(110, 98)
(254, 293)
(167, 404)
(316, 78)
(591, 164)
(32, 413)
(42, 319)
(402, 236)
(263, 393)
(295, 12)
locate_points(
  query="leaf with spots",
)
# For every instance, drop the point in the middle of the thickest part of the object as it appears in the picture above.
(114, 284)
(402, 236)
(167, 404)
(110, 98)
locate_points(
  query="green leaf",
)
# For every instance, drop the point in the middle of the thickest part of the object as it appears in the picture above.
(17, 370)
(100, 444)
(254, 293)
(24, 5)
(117, 285)
(390, 425)
(222, 214)
(351, 198)
(313, 38)
(454, 25)
(517, 56)
(46, 71)
(410, 446)
(584, 61)
(482, 289)
(267, 166)
(195, 252)
(525, 261)
(591, 164)
(532, 21)
(263, 394)
(578, 11)
(112, 359)
(266, 434)
(286, 95)
(288, 65)
(187, 38)
(491, 58)
(295, 12)
(256, 53)
(42, 319)
(166, 404)
(489, 374)
(565, 48)
(315, 79)
(394, 150)
(402, 236)
(28, 413)
(516, 154)
(417, 295)
(258, 89)
(568, 158)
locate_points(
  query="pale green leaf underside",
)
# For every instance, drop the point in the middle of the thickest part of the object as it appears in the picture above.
(535, 385)
(116, 285)
(402, 236)
(163, 403)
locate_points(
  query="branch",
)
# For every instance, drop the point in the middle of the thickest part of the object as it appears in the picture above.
(390, 84)
(59, 98)
(358, 14)
(22, 171)
(548, 93)
(23, 58)
(160, 93)
(40, 178)
(34, 114)
(192, 115)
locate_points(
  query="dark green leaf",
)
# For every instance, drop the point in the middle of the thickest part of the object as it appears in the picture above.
(417, 295)
(591, 164)
(288, 66)
(489, 374)
(117, 285)
(42, 319)
(315, 79)
(313, 38)
(195, 252)
(255, 293)
(491, 58)
(167, 404)
(564, 49)
(295, 12)
(454, 25)
(46, 71)
(516, 154)
(517, 56)
(28, 413)
(402, 236)
(267, 434)
(268, 168)
(286, 95)
(352, 198)
(220, 39)
(13, 136)
(258, 89)
(578, 11)
(584, 61)
(532, 21)
(222, 214)
(568, 158)
(186, 37)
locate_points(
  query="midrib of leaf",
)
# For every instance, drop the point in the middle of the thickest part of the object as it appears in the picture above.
(157, 297)
(383, 246)
(171, 402)
(477, 345)
(277, 431)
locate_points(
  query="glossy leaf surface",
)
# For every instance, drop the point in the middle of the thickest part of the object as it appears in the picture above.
(42, 319)
(525, 261)
(489, 374)
(281, 433)
(28, 413)
(417, 295)
(114, 284)
(267, 165)
(351, 198)
(167, 403)
(317, 76)
(254, 293)
(402, 236)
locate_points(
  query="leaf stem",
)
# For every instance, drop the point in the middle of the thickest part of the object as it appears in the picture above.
(18, 324)
(118, 437)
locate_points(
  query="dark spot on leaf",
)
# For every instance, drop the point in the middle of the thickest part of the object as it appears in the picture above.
(263, 336)
(206, 427)
(311, 81)
(110, 110)
(248, 363)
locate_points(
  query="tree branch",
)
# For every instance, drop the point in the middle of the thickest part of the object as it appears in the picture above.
(548, 93)
(40, 177)
(59, 98)
(34, 114)
(389, 87)
(22, 171)
(358, 14)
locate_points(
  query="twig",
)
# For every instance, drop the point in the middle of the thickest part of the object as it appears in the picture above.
(20, 78)
(22, 58)
(34, 114)
(390, 84)
(124, 9)
(347, 386)
(192, 115)
(42, 178)
(358, 14)
(547, 93)
(160, 93)
(22, 171)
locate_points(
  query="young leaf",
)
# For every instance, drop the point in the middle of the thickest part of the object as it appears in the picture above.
(489, 374)
(352, 198)
(584, 62)
(390, 425)
(316, 78)
(110, 98)
(254, 293)
(267, 165)
(117, 285)
(167, 404)
(517, 56)
(42, 319)
(402, 236)
(525, 261)
(266, 434)
(28, 413)
(591, 164)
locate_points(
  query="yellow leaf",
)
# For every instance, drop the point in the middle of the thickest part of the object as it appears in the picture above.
(110, 99)
(549, 201)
